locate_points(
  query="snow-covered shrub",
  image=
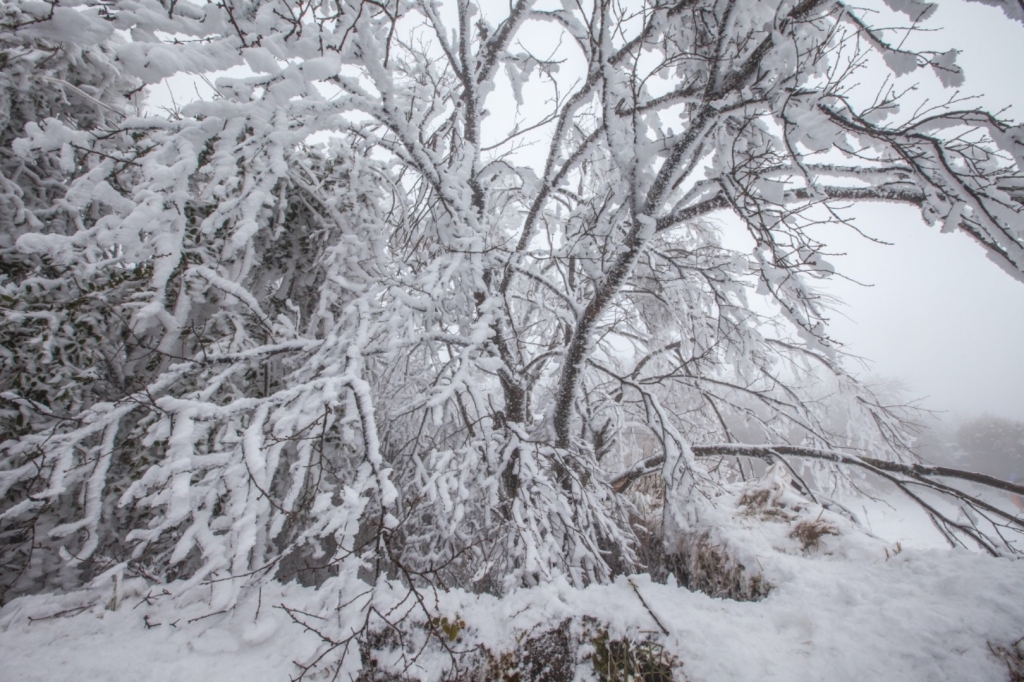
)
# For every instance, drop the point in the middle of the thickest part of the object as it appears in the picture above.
(643, 660)
(62, 319)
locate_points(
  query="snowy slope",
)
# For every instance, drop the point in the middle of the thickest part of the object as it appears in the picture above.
(924, 615)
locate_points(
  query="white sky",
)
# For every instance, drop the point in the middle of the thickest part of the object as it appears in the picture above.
(941, 316)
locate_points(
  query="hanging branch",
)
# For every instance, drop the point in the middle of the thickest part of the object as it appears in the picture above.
(901, 475)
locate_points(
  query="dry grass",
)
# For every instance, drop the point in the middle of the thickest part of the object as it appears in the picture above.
(710, 568)
(756, 500)
(1012, 656)
(759, 503)
(555, 656)
(809, 533)
(625, 660)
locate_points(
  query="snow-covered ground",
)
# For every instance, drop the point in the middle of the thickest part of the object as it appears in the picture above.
(858, 608)
(923, 615)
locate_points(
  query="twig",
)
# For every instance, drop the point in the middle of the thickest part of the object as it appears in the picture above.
(646, 606)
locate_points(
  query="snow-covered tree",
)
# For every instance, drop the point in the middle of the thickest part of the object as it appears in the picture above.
(410, 292)
(63, 319)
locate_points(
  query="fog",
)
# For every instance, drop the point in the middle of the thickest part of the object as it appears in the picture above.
(940, 316)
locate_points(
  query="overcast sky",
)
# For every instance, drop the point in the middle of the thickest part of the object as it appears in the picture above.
(940, 315)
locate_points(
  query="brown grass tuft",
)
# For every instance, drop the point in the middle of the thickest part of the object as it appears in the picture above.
(710, 568)
(1012, 656)
(809, 533)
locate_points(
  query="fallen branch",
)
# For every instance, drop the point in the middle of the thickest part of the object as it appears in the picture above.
(900, 474)
(770, 453)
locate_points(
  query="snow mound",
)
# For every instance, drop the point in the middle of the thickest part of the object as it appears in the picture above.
(738, 542)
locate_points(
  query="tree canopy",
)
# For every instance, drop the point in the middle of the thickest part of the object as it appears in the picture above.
(422, 288)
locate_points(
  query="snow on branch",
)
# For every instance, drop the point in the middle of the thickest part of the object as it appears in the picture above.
(906, 477)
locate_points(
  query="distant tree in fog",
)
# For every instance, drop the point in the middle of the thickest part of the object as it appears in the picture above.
(993, 445)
